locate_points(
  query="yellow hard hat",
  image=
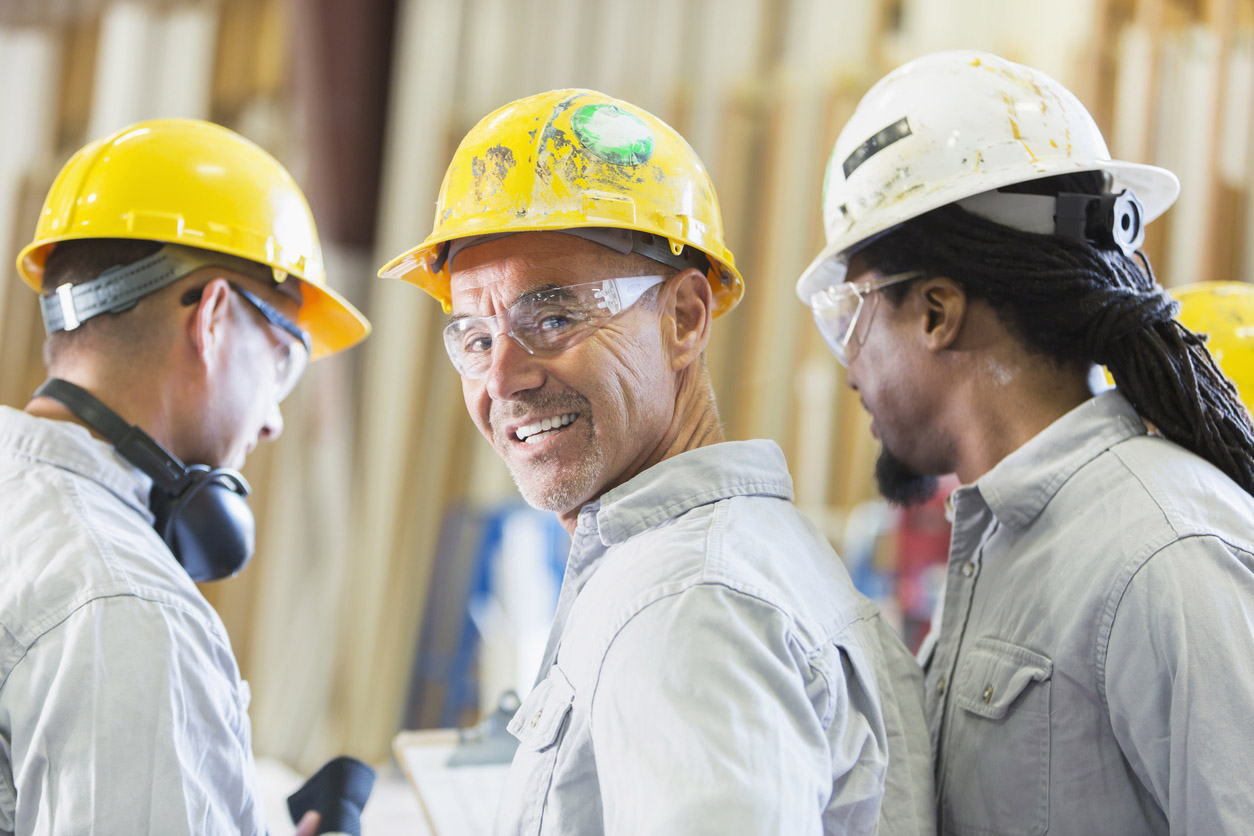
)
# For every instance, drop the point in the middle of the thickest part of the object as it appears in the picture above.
(190, 182)
(573, 159)
(1225, 311)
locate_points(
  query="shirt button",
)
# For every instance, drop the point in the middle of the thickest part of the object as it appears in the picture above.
(968, 569)
(536, 718)
(988, 694)
(940, 686)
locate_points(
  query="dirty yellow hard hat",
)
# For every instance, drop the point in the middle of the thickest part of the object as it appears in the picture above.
(194, 183)
(574, 159)
(1224, 311)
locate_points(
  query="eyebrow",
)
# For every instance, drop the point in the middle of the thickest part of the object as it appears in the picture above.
(548, 287)
(559, 290)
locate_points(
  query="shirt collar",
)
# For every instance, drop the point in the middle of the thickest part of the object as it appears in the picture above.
(72, 447)
(1023, 483)
(683, 482)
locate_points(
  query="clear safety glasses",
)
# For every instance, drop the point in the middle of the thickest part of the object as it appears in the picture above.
(836, 309)
(291, 356)
(544, 322)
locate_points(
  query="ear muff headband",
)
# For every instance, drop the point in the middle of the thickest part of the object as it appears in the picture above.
(201, 512)
(1107, 220)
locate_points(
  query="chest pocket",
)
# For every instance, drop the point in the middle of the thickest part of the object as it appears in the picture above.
(538, 724)
(996, 752)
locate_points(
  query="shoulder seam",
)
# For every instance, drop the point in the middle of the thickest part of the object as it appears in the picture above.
(790, 633)
(167, 604)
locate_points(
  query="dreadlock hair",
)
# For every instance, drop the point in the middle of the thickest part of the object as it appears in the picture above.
(1077, 303)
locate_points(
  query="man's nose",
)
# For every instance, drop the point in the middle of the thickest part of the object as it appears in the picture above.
(273, 426)
(512, 369)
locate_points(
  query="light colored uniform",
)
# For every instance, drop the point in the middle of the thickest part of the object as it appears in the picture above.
(712, 670)
(121, 706)
(1094, 669)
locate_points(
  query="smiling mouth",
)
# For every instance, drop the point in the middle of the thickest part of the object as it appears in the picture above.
(545, 427)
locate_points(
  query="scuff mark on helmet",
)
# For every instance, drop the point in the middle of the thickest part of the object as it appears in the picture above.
(490, 170)
(502, 159)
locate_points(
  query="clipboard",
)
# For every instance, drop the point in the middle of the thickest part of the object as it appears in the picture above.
(459, 774)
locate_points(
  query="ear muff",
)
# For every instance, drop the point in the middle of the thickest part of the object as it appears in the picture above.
(200, 512)
(207, 524)
(1105, 220)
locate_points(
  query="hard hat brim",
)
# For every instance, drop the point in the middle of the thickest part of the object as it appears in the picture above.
(414, 265)
(1156, 187)
(333, 323)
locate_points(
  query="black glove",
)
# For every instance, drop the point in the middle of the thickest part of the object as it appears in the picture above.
(338, 791)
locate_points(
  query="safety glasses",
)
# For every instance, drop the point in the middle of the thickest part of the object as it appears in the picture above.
(544, 322)
(836, 309)
(291, 356)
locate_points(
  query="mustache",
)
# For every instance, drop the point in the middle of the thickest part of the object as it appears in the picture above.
(503, 412)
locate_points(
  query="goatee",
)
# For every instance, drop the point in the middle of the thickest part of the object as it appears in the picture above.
(901, 485)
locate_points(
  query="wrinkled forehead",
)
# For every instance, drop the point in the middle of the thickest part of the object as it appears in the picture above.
(494, 272)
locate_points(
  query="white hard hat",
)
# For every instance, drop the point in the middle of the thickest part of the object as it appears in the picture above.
(951, 125)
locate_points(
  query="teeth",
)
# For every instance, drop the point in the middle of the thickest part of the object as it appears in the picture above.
(544, 425)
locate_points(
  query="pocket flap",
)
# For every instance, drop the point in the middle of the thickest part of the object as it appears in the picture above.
(538, 722)
(994, 674)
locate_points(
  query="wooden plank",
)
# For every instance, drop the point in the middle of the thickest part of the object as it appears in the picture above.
(723, 127)
(125, 68)
(1133, 105)
(32, 54)
(1234, 159)
(409, 392)
(1194, 117)
(183, 46)
(793, 167)
(739, 190)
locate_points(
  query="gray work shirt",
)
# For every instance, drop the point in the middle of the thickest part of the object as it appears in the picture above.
(1094, 670)
(711, 669)
(121, 707)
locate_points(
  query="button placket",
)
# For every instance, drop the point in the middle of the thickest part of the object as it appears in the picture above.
(966, 555)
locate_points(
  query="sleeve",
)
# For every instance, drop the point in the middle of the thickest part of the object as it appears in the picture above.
(1180, 683)
(706, 719)
(130, 717)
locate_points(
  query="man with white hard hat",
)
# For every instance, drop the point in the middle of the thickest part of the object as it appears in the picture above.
(1091, 667)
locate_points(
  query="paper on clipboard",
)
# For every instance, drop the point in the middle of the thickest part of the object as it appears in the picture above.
(457, 799)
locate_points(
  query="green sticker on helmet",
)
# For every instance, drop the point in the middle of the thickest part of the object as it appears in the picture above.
(613, 134)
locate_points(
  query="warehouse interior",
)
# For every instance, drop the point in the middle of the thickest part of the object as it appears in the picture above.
(399, 581)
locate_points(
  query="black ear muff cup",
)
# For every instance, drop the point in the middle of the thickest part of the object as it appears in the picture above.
(1104, 220)
(1127, 222)
(209, 526)
(200, 512)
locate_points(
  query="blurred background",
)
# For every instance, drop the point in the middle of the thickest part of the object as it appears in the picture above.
(398, 581)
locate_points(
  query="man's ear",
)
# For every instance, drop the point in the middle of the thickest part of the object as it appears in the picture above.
(944, 311)
(688, 312)
(209, 321)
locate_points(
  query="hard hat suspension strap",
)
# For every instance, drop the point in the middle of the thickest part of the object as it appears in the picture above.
(656, 247)
(1104, 220)
(119, 288)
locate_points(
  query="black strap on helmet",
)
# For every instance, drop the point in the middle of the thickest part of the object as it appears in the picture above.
(200, 512)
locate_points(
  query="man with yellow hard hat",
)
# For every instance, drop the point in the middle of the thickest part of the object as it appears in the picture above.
(1091, 666)
(711, 668)
(183, 293)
